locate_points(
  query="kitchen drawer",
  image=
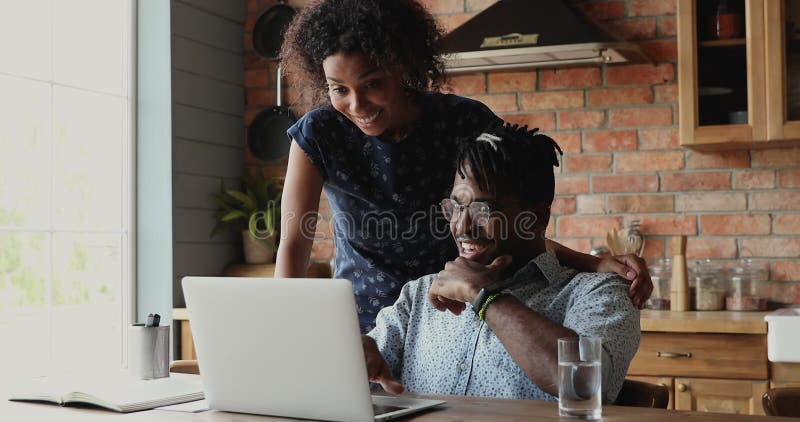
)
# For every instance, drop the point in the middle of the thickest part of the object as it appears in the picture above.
(733, 356)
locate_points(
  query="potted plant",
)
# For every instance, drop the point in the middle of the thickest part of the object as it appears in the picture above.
(255, 212)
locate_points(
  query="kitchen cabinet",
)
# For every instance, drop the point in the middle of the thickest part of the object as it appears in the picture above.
(709, 361)
(738, 73)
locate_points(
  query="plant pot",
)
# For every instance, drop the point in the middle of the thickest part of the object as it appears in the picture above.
(254, 251)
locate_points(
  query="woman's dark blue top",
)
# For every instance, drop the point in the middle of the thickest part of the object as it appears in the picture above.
(384, 197)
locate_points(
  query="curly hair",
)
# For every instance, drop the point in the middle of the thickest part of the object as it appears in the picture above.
(391, 33)
(514, 160)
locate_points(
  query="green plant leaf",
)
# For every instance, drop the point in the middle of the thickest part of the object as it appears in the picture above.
(234, 215)
(248, 202)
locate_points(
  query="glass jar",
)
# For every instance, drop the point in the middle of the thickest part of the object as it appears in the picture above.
(748, 289)
(661, 274)
(707, 286)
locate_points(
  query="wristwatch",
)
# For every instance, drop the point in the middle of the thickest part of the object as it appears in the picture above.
(484, 293)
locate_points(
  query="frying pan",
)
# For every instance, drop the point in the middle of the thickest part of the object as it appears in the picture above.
(266, 135)
(269, 28)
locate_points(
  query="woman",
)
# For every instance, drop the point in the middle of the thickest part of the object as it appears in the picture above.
(382, 144)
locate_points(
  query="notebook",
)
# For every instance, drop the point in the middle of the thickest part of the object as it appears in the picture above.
(120, 393)
(285, 347)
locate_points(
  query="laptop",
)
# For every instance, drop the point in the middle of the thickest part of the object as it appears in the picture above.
(285, 347)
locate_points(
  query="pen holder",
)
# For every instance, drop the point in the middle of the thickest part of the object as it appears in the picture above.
(148, 351)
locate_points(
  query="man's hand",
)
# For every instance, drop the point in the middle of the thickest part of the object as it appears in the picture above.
(631, 268)
(377, 368)
(461, 280)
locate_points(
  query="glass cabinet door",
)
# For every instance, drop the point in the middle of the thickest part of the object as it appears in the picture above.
(783, 78)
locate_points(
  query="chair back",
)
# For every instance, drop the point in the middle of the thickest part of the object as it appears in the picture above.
(642, 394)
(784, 401)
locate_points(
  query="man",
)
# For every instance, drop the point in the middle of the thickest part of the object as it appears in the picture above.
(487, 324)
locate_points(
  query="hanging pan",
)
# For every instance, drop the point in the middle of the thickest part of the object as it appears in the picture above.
(269, 29)
(266, 135)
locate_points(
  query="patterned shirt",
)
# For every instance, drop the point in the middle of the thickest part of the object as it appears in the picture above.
(384, 197)
(440, 353)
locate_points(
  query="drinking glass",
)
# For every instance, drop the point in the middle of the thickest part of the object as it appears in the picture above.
(580, 377)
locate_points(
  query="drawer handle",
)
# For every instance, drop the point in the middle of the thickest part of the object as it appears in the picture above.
(682, 387)
(673, 355)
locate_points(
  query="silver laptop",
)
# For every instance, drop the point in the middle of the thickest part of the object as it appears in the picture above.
(285, 347)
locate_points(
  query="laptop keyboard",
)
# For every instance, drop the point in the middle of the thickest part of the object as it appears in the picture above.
(378, 409)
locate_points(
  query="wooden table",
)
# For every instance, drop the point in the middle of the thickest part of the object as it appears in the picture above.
(456, 409)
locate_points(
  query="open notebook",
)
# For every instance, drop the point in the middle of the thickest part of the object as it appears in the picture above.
(120, 393)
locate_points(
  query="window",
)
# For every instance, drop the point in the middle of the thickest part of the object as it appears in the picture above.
(66, 190)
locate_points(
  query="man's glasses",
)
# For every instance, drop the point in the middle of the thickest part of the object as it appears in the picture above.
(479, 212)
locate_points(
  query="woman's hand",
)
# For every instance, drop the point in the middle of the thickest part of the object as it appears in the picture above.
(631, 268)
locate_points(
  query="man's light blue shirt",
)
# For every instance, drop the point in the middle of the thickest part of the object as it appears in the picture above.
(440, 353)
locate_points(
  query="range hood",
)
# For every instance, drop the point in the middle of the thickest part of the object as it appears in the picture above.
(518, 34)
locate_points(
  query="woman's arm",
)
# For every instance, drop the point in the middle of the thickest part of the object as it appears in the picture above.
(299, 206)
(630, 267)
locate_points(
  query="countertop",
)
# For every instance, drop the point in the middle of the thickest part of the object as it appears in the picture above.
(726, 322)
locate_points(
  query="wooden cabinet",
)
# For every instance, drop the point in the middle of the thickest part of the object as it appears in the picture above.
(710, 372)
(743, 90)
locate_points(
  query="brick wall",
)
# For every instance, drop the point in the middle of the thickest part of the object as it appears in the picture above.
(618, 128)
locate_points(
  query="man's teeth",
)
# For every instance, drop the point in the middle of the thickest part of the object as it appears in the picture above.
(469, 247)
(368, 119)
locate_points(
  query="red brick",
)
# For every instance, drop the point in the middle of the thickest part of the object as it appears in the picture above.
(735, 224)
(658, 138)
(451, 22)
(570, 78)
(260, 97)
(695, 181)
(255, 78)
(438, 7)
(786, 157)
(324, 229)
(591, 204)
(467, 84)
(580, 119)
(711, 201)
(551, 100)
(660, 50)
(610, 140)
(617, 204)
(597, 163)
(666, 93)
(479, 5)
(787, 293)
(717, 160)
(604, 10)
(567, 141)
(785, 270)
(322, 250)
(498, 102)
(563, 205)
(652, 7)
(252, 6)
(512, 81)
(627, 162)
(754, 179)
(616, 96)
(250, 113)
(787, 224)
(653, 248)
(780, 200)
(633, 29)
(709, 247)
(587, 226)
(250, 22)
(667, 26)
(668, 225)
(571, 184)
(625, 183)
(640, 74)
(543, 121)
(644, 116)
(769, 247)
(789, 178)
(550, 232)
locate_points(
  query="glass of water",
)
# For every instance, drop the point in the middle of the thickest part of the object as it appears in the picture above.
(580, 377)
